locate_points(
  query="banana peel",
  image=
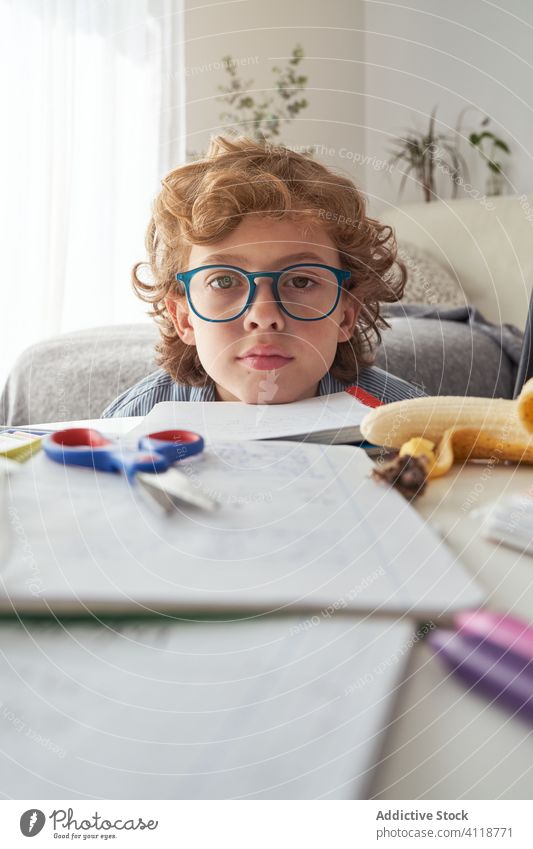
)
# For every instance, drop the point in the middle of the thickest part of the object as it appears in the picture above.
(437, 431)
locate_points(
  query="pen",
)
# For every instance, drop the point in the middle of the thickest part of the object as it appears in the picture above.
(29, 430)
(498, 673)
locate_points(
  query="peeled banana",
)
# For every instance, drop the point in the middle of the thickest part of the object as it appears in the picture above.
(448, 428)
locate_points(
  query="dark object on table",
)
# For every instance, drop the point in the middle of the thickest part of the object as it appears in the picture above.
(406, 473)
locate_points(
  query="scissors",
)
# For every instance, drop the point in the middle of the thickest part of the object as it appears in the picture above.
(79, 446)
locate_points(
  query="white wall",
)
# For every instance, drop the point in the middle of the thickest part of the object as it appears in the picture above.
(375, 68)
(259, 32)
(453, 54)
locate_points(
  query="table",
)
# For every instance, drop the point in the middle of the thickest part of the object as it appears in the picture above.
(444, 742)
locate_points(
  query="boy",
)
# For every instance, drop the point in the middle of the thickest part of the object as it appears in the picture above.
(266, 281)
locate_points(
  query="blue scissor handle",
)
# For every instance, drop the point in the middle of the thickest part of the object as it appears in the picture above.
(131, 462)
(88, 447)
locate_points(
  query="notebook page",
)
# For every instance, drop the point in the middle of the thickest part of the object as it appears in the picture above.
(274, 708)
(234, 420)
(299, 526)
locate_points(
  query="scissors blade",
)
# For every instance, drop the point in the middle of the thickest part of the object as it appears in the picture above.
(173, 486)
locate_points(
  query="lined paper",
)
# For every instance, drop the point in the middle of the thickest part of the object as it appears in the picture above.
(273, 708)
(300, 526)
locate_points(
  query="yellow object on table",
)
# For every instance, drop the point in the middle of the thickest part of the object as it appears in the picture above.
(447, 428)
(19, 445)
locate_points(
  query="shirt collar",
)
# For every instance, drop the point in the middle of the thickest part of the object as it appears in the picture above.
(195, 393)
(327, 386)
(330, 385)
(203, 393)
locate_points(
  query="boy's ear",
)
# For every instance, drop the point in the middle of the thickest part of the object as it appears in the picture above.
(350, 308)
(178, 309)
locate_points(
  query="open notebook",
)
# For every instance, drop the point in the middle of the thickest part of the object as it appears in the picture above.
(273, 708)
(330, 419)
(300, 527)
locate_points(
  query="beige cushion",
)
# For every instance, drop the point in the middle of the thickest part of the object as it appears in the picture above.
(486, 244)
(428, 280)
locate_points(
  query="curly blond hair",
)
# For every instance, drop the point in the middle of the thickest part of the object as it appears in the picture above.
(203, 201)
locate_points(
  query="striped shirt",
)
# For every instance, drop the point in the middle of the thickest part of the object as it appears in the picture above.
(159, 386)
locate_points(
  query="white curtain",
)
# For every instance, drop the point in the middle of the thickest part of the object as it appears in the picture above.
(92, 104)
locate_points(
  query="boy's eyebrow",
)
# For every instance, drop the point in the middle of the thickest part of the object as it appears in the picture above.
(241, 259)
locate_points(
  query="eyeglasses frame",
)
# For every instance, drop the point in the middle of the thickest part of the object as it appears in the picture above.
(185, 277)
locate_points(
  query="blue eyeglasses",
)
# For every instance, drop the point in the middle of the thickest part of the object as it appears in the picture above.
(307, 292)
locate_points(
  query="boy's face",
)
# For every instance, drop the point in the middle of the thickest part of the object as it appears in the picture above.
(306, 349)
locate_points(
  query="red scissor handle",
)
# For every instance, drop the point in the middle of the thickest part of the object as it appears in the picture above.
(174, 436)
(173, 444)
(80, 437)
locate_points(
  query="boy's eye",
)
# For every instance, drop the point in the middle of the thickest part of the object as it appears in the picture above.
(300, 282)
(224, 281)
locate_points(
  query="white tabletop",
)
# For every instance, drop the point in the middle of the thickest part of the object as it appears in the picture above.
(446, 742)
(443, 741)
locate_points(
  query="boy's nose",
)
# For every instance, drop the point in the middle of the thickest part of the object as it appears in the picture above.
(264, 311)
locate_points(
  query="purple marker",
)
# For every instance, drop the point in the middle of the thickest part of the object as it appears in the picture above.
(496, 672)
(508, 632)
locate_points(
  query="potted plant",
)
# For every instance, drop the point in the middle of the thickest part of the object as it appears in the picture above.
(425, 152)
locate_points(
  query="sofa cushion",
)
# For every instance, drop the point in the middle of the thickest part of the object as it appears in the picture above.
(75, 375)
(446, 358)
(428, 280)
(451, 350)
(485, 243)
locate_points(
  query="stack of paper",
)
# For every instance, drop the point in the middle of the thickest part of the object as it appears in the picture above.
(277, 707)
(282, 706)
(330, 419)
(299, 527)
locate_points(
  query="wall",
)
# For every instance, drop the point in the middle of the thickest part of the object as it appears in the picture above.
(375, 68)
(455, 54)
(258, 35)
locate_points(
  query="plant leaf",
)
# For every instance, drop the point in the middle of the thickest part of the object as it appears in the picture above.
(502, 145)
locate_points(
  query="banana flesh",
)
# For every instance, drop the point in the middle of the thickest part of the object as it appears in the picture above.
(447, 429)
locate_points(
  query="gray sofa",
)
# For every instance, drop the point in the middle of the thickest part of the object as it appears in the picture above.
(75, 375)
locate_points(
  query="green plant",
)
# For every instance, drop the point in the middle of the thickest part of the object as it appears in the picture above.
(262, 117)
(423, 153)
(486, 139)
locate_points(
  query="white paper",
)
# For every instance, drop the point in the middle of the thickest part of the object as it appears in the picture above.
(233, 420)
(300, 526)
(509, 521)
(277, 707)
